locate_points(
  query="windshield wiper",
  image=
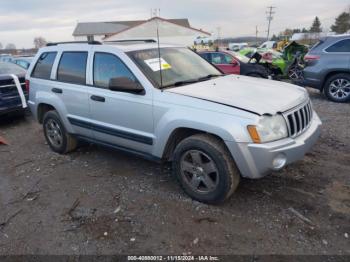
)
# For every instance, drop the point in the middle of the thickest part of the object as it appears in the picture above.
(181, 83)
(207, 77)
(191, 81)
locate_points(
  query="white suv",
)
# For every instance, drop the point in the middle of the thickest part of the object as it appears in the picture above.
(179, 108)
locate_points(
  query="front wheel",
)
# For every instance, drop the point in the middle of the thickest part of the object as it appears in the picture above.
(337, 88)
(205, 168)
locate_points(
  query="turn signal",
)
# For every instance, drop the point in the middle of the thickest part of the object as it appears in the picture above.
(254, 134)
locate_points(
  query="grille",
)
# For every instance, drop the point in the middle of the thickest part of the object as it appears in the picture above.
(299, 119)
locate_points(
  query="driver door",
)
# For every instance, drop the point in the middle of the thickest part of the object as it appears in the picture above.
(226, 63)
(119, 119)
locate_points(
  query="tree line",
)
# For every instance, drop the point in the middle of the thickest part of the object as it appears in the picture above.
(340, 26)
(38, 42)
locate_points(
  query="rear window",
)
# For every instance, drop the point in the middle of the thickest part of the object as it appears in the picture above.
(44, 65)
(339, 47)
(320, 42)
(72, 68)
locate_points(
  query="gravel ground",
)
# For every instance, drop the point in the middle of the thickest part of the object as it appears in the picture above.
(96, 201)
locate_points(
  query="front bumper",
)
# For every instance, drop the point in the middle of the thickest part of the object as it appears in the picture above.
(257, 160)
(11, 110)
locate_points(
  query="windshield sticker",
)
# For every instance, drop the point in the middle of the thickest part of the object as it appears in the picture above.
(154, 64)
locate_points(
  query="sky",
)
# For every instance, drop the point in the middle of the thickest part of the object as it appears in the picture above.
(55, 20)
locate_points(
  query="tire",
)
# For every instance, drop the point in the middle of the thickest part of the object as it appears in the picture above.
(295, 73)
(337, 88)
(222, 174)
(60, 141)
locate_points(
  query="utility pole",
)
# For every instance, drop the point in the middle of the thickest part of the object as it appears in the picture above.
(219, 37)
(155, 12)
(256, 35)
(269, 17)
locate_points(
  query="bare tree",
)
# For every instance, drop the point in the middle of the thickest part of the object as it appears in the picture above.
(39, 42)
(10, 46)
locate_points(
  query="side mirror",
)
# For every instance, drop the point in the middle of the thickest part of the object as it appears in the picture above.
(125, 84)
(234, 63)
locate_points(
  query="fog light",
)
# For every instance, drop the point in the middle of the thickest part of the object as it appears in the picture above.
(279, 161)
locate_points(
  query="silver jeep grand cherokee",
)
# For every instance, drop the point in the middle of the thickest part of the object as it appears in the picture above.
(170, 104)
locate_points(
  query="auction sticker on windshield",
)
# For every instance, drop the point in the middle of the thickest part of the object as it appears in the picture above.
(154, 64)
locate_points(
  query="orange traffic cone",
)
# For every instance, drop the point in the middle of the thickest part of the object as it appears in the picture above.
(2, 141)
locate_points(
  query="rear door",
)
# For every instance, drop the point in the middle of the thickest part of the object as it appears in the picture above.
(225, 62)
(119, 118)
(70, 73)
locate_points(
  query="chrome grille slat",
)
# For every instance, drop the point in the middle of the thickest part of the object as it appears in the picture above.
(304, 117)
(298, 119)
(307, 114)
(294, 124)
(300, 122)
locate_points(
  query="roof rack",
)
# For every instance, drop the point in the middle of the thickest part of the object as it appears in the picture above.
(75, 42)
(132, 40)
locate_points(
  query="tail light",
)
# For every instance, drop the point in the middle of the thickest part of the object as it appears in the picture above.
(308, 58)
(27, 85)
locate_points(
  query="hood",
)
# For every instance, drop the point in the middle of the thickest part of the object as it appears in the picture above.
(256, 95)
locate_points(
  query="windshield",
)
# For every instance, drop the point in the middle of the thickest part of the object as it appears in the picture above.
(180, 66)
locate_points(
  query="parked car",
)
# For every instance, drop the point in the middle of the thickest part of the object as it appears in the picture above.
(237, 46)
(328, 68)
(234, 63)
(268, 45)
(10, 100)
(5, 58)
(23, 62)
(176, 107)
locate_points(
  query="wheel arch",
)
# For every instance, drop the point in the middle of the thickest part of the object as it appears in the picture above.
(178, 135)
(42, 109)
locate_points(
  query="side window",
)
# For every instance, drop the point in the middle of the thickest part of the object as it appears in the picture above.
(72, 68)
(221, 59)
(108, 66)
(206, 56)
(44, 65)
(217, 58)
(341, 46)
(228, 59)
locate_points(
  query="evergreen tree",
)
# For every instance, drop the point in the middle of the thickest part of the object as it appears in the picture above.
(342, 23)
(316, 26)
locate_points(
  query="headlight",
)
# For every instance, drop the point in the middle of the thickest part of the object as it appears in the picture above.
(269, 128)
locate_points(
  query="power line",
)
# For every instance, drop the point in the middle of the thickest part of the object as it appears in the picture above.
(269, 17)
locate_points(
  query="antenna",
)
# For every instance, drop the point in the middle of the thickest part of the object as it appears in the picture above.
(159, 57)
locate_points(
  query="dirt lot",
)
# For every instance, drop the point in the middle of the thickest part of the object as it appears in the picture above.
(96, 201)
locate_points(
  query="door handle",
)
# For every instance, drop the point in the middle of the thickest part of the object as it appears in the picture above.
(57, 90)
(98, 98)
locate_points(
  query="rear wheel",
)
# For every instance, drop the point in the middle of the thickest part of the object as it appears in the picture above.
(56, 135)
(205, 168)
(295, 73)
(337, 88)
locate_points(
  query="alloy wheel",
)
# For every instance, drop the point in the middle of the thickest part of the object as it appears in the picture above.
(54, 133)
(339, 88)
(199, 171)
